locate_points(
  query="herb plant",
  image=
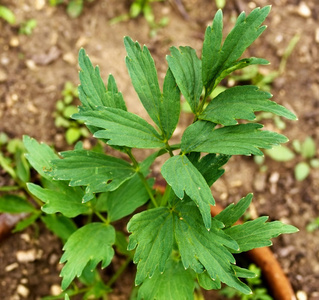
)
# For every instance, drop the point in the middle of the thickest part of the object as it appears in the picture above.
(174, 242)
(65, 107)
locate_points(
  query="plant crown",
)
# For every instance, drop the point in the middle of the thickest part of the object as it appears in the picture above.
(175, 242)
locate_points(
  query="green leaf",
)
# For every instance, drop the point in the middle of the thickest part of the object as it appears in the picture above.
(243, 63)
(170, 105)
(242, 139)
(175, 283)
(121, 244)
(7, 14)
(201, 249)
(72, 135)
(60, 225)
(216, 58)
(87, 246)
(114, 97)
(92, 91)
(14, 204)
(128, 197)
(141, 68)
(63, 199)
(152, 235)
(280, 153)
(211, 47)
(233, 212)
(186, 68)
(98, 172)
(240, 102)
(74, 8)
(308, 148)
(154, 232)
(182, 176)
(302, 171)
(23, 224)
(209, 165)
(121, 128)
(257, 233)
(39, 156)
(206, 282)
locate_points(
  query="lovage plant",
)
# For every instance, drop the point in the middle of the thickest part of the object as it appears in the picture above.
(175, 242)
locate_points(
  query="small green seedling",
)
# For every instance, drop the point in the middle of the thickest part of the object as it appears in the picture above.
(313, 225)
(27, 27)
(143, 7)
(174, 241)
(65, 107)
(74, 7)
(255, 284)
(307, 151)
(7, 15)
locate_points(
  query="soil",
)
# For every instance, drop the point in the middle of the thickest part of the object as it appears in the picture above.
(34, 68)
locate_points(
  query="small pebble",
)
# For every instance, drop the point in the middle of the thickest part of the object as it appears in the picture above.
(26, 256)
(301, 295)
(55, 290)
(69, 58)
(25, 237)
(3, 76)
(31, 64)
(11, 267)
(23, 291)
(304, 10)
(39, 4)
(317, 35)
(14, 42)
(274, 177)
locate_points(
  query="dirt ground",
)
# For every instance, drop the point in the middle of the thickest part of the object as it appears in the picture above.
(33, 70)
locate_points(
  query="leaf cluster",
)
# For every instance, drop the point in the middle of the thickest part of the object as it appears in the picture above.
(175, 242)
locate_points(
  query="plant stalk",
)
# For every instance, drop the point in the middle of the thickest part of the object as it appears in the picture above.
(119, 271)
(142, 177)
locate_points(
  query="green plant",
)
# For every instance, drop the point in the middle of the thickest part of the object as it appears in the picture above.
(74, 7)
(143, 7)
(255, 284)
(307, 151)
(7, 15)
(313, 225)
(174, 242)
(65, 107)
(27, 27)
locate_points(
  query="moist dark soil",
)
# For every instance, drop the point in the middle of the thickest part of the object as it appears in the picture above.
(34, 68)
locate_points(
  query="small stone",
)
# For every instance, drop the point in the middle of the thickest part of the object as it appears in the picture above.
(317, 35)
(25, 237)
(14, 42)
(301, 295)
(3, 76)
(23, 291)
(304, 10)
(274, 177)
(5, 60)
(39, 4)
(69, 58)
(24, 281)
(11, 267)
(55, 290)
(31, 64)
(26, 256)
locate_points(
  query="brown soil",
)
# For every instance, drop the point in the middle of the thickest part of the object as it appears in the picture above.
(33, 70)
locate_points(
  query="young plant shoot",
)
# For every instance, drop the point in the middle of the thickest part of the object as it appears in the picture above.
(175, 242)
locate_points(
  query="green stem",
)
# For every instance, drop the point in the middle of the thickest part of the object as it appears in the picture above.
(201, 106)
(101, 217)
(119, 272)
(142, 177)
